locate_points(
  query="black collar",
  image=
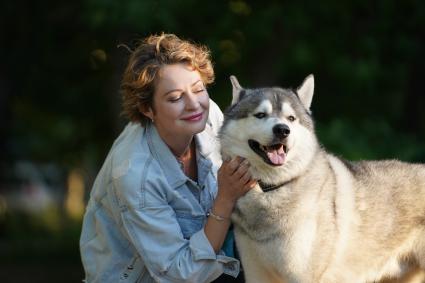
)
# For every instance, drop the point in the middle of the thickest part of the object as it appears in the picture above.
(271, 187)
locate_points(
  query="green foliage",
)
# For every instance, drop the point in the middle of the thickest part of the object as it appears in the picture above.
(63, 73)
(371, 139)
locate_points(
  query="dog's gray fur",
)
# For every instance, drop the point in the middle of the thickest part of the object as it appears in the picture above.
(329, 220)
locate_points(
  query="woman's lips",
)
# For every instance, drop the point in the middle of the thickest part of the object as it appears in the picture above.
(193, 118)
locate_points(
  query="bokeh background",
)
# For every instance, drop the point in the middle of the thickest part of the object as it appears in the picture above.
(60, 70)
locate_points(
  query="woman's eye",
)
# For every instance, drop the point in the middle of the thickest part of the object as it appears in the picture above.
(199, 90)
(291, 118)
(260, 115)
(174, 99)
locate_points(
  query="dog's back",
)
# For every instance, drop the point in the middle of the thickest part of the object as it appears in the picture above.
(387, 230)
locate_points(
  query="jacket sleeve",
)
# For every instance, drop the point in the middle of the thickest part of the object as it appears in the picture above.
(152, 227)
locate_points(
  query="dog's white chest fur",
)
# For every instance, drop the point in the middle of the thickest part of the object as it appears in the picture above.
(283, 243)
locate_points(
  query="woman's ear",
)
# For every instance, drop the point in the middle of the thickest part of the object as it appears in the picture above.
(146, 110)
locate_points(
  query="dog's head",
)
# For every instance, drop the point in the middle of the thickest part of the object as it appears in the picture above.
(272, 128)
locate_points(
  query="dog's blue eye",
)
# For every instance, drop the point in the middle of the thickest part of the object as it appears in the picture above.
(260, 115)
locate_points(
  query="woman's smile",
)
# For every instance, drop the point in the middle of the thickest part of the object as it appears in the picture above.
(193, 118)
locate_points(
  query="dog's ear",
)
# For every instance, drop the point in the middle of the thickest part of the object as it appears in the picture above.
(236, 89)
(306, 90)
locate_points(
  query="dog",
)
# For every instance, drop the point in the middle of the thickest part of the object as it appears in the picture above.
(314, 217)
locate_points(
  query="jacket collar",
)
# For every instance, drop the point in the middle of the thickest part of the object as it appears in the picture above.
(206, 142)
(161, 152)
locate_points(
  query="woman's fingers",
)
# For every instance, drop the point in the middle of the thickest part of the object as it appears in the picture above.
(234, 163)
(250, 184)
(242, 169)
(238, 169)
(245, 178)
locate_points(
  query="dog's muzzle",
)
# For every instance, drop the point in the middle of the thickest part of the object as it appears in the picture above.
(273, 155)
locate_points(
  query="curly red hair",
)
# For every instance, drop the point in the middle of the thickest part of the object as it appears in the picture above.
(153, 52)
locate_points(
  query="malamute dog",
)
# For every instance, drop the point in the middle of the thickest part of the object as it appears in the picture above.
(315, 217)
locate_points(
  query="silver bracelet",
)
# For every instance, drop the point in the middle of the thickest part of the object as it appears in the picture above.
(216, 217)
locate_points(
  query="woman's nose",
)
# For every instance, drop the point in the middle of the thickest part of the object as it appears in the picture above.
(191, 100)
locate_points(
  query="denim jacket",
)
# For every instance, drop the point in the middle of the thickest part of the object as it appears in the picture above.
(144, 219)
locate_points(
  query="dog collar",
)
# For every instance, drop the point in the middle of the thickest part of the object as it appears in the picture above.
(271, 187)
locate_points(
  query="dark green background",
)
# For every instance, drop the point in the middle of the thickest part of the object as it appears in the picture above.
(60, 69)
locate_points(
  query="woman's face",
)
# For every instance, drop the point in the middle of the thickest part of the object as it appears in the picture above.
(180, 102)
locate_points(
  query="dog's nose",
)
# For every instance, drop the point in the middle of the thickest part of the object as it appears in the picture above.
(281, 130)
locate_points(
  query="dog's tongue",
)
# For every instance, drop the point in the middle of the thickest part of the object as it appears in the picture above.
(276, 155)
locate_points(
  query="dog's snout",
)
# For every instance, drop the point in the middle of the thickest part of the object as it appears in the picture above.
(281, 130)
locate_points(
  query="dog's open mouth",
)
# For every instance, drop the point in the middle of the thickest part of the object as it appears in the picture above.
(274, 154)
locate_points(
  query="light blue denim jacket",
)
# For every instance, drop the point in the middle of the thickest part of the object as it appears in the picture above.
(145, 218)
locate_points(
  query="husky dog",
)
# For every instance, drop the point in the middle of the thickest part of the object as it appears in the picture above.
(315, 217)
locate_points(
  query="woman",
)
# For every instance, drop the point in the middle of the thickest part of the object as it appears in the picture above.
(159, 209)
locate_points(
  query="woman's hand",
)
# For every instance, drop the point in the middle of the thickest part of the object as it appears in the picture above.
(234, 181)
